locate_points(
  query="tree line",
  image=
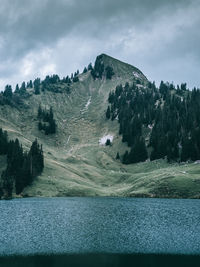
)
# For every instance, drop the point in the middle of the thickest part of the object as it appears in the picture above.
(22, 167)
(157, 123)
(54, 83)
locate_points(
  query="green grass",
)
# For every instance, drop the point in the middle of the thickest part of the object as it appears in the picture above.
(75, 164)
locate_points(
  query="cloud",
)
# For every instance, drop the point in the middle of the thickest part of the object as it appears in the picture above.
(42, 37)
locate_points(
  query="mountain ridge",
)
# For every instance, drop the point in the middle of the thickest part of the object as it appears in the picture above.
(111, 60)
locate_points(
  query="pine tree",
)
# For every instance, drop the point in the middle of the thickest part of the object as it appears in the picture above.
(98, 70)
(8, 91)
(22, 89)
(117, 156)
(108, 142)
(17, 89)
(52, 126)
(40, 126)
(85, 70)
(3, 142)
(31, 84)
(109, 72)
(36, 159)
(37, 89)
(7, 182)
(51, 114)
(40, 112)
(108, 113)
(75, 79)
(90, 67)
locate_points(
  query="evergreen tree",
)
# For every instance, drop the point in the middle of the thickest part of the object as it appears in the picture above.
(108, 113)
(37, 90)
(40, 126)
(98, 70)
(31, 84)
(109, 72)
(40, 112)
(3, 142)
(90, 67)
(22, 89)
(75, 79)
(7, 183)
(17, 89)
(26, 177)
(52, 127)
(36, 85)
(108, 142)
(36, 159)
(85, 70)
(8, 92)
(51, 114)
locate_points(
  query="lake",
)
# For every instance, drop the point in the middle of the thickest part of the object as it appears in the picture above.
(135, 227)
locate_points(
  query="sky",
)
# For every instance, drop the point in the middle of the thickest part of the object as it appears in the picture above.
(39, 38)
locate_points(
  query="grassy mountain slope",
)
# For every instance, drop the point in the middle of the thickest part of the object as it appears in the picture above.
(75, 163)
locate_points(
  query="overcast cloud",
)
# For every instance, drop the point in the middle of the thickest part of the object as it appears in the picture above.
(159, 37)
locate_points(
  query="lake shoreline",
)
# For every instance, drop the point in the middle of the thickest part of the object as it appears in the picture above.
(109, 196)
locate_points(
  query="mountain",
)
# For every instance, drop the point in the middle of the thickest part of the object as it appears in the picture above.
(77, 161)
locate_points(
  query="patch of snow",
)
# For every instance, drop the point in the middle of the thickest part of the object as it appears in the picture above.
(86, 106)
(136, 74)
(103, 140)
(68, 139)
(88, 103)
(197, 162)
(157, 103)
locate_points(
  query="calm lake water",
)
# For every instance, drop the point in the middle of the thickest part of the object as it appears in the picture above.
(99, 225)
(89, 225)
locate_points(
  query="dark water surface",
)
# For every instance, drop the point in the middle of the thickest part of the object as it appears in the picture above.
(102, 229)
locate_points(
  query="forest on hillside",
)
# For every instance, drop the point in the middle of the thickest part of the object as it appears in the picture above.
(157, 123)
(22, 166)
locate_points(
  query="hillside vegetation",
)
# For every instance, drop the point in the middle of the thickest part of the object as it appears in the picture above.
(76, 161)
